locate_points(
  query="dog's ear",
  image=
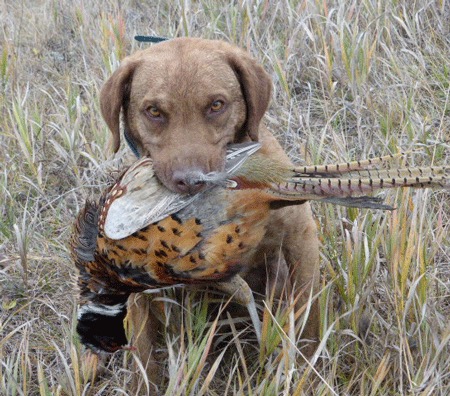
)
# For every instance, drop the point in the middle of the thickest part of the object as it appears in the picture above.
(113, 95)
(256, 86)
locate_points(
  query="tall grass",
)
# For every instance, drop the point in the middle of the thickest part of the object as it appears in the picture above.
(352, 79)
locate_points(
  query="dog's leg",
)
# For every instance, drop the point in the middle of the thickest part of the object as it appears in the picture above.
(297, 232)
(301, 251)
(145, 328)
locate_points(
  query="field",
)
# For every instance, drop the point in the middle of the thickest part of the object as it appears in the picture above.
(352, 79)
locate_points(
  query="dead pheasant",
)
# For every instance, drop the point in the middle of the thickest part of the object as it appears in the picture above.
(142, 236)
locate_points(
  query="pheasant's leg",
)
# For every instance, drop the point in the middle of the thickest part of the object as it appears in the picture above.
(242, 294)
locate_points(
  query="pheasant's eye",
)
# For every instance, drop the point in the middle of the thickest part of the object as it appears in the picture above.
(153, 111)
(217, 105)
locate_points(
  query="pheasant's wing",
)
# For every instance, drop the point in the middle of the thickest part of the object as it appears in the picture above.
(237, 154)
(139, 198)
(136, 200)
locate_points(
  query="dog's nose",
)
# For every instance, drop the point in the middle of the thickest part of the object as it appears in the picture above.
(188, 182)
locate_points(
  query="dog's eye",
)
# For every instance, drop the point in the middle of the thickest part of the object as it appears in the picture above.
(153, 111)
(217, 105)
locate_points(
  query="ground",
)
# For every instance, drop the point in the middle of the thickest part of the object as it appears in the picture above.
(353, 79)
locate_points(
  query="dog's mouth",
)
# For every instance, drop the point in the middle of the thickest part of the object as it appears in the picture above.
(189, 174)
(188, 181)
(194, 179)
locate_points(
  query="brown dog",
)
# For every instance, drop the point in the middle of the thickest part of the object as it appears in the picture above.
(183, 101)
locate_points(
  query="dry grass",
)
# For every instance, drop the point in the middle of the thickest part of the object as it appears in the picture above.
(352, 79)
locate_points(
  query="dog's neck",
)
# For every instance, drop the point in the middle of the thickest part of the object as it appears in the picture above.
(131, 143)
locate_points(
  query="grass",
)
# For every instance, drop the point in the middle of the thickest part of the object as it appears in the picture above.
(352, 79)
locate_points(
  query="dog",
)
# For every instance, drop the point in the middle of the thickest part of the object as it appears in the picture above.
(183, 101)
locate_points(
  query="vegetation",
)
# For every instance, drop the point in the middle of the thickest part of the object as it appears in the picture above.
(353, 79)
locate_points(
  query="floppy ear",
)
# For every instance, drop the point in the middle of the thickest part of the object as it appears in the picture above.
(256, 86)
(113, 95)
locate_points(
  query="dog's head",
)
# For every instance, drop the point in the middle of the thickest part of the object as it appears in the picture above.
(183, 101)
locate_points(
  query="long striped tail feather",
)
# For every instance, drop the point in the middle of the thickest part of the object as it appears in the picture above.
(345, 167)
(350, 188)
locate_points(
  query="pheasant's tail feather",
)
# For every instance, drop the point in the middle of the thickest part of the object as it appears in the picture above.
(345, 167)
(383, 162)
(359, 202)
(438, 172)
(347, 189)
(364, 181)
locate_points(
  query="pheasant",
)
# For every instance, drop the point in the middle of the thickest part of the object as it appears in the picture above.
(141, 236)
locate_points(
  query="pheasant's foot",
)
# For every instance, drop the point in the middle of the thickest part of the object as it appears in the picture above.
(242, 294)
